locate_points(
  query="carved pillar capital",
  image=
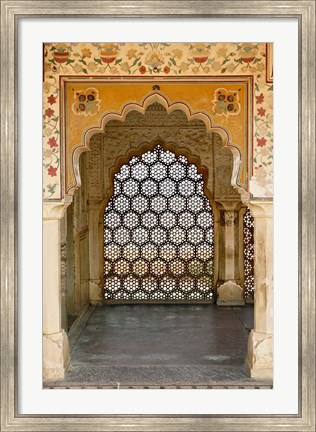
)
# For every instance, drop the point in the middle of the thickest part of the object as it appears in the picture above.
(56, 210)
(261, 209)
(229, 205)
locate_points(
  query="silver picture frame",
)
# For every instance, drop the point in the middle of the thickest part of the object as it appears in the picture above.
(11, 12)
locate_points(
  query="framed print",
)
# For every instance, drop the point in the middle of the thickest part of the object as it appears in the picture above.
(138, 150)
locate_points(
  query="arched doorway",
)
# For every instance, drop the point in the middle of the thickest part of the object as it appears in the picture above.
(158, 232)
(107, 181)
(136, 219)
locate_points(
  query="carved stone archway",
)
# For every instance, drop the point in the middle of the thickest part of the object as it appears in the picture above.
(121, 140)
(99, 164)
(155, 99)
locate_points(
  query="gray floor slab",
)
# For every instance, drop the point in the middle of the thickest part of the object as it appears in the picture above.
(161, 345)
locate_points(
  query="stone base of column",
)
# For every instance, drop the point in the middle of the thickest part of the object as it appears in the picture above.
(56, 358)
(259, 361)
(95, 292)
(230, 294)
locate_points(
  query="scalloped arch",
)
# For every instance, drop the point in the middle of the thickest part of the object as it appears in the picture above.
(141, 107)
(149, 146)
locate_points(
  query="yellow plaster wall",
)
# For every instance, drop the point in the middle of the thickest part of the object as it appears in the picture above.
(218, 61)
(113, 97)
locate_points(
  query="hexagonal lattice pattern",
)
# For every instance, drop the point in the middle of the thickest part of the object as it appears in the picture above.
(158, 232)
(249, 255)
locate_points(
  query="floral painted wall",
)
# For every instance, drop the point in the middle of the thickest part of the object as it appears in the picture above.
(160, 60)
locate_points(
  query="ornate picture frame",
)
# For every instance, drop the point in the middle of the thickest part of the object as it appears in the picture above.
(11, 12)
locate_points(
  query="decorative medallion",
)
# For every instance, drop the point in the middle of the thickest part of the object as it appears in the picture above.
(226, 102)
(86, 102)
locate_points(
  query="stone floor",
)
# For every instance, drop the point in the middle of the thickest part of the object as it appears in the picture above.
(160, 346)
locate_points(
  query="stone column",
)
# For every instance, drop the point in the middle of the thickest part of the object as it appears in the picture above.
(259, 360)
(55, 340)
(95, 249)
(229, 291)
(63, 272)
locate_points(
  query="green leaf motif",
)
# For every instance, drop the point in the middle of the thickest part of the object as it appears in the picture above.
(135, 61)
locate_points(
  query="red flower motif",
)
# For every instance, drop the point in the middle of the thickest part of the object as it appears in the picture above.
(166, 69)
(52, 171)
(142, 69)
(261, 142)
(261, 112)
(49, 112)
(51, 99)
(247, 59)
(52, 142)
(108, 59)
(200, 59)
(259, 99)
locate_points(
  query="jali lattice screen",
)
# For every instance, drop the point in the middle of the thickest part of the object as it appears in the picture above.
(158, 232)
(249, 256)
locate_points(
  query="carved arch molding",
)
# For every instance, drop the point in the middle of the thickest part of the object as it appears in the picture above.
(139, 132)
